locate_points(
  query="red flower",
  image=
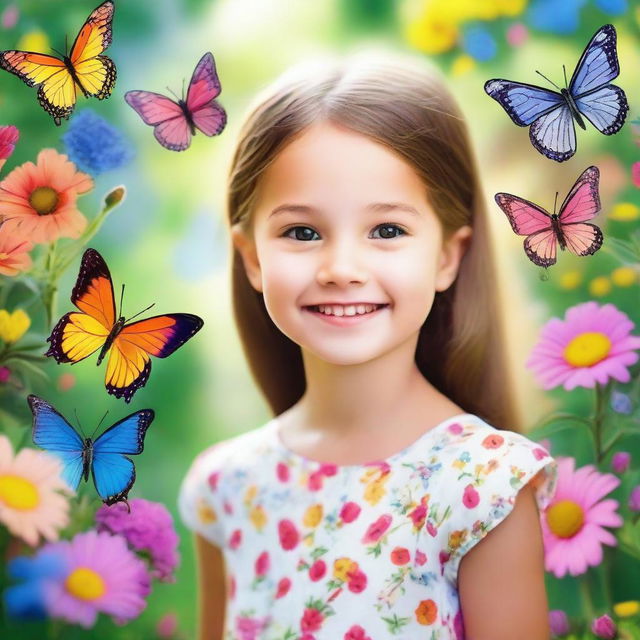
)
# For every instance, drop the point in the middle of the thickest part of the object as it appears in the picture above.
(470, 497)
(328, 469)
(357, 581)
(312, 620)
(263, 564)
(375, 530)
(289, 536)
(315, 481)
(282, 471)
(235, 539)
(418, 516)
(400, 556)
(350, 511)
(283, 587)
(317, 570)
(213, 480)
(493, 441)
(356, 633)
(421, 558)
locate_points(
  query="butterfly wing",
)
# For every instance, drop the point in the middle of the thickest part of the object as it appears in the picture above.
(583, 201)
(78, 335)
(582, 238)
(606, 108)
(171, 128)
(524, 103)
(54, 434)
(129, 363)
(529, 219)
(207, 115)
(114, 473)
(57, 90)
(554, 135)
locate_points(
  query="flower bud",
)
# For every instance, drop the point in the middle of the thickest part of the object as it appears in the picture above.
(604, 627)
(5, 372)
(634, 499)
(558, 622)
(620, 461)
(115, 197)
(621, 403)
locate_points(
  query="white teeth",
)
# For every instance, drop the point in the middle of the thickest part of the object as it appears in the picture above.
(349, 310)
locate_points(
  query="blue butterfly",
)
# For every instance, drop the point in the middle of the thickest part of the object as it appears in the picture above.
(113, 473)
(551, 114)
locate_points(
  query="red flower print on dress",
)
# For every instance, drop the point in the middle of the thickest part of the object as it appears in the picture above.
(431, 530)
(263, 564)
(282, 472)
(493, 441)
(426, 612)
(312, 620)
(377, 529)
(421, 558)
(470, 497)
(317, 570)
(357, 581)
(349, 512)
(250, 628)
(540, 453)
(418, 516)
(356, 633)
(228, 509)
(289, 536)
(455, 428)
(400, 556)
(213, 480)
(283, 587)
(235, 539)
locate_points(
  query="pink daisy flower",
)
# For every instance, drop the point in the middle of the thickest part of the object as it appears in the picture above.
(30, 503)
(8, 137)
(572, 526)
(592, 345)
(103, 575)
(14, 253)
(38, 201)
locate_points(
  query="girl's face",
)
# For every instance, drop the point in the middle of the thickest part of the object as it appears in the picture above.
(340, 219)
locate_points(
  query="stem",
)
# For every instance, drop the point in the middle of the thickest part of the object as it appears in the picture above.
(50, 288)
(586, 599)
(561, 416)
(598, 419)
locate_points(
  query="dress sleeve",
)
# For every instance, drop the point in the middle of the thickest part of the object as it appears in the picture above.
(487, 476)
(199, 500)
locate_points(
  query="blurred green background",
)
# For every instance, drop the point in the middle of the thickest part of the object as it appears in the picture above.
(168, 242)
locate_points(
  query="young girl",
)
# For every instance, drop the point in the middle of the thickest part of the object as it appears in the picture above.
(364, 292)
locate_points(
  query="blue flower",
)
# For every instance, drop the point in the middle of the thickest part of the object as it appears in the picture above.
(556, 17)
(621, 403)
(479, 43)
(94, 145)
(26, 601)
(612, 7)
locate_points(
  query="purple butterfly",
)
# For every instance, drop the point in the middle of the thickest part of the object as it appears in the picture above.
(175, 122)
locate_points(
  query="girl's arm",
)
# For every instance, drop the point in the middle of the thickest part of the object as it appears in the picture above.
(501, 580)
(212, 590)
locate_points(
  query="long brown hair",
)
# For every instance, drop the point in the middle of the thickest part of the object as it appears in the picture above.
(404, 105)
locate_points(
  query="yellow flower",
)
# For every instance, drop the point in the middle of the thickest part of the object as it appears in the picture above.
(312, 516)
(625, 211)
(462, 64)
(570, 279)
(342, 566)
(511, 8)
(374, 492)
(258, 517)
(206, 513)
(624, 276)
(626, 609)
(600, 286)
(250, 493)
(34, 41)
(13, 326)
(431, 34)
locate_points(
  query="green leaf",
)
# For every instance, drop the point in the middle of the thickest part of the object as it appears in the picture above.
(624, 251)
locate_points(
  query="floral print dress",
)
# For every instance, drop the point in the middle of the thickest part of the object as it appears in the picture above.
(356, 552)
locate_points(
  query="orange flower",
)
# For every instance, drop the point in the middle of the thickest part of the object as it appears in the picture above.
(14, 253)
(38, 201)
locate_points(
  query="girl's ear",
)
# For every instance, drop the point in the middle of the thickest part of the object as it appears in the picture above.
(453, 251)
(247, 249)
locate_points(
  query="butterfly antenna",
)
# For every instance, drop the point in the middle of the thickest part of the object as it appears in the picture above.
(99, 423)
(547, 79)
(183, 80)
(555, 202)
(62, 55)
(121, 296)
(79, 425)
(173, 94)
(139, 312)
(564, 70)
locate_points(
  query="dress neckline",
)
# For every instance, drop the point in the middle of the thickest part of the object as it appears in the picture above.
(273, 426)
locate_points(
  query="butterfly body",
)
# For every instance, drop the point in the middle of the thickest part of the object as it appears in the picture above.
(85, 67)
(590, 96)
(105, 458)
(568, 228)
(175, 123)
(78, 334)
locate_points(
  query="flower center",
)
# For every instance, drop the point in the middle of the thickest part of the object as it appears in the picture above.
(85, 584)
(565, 518)
(587, 349)
(18, 493)
(44, 200)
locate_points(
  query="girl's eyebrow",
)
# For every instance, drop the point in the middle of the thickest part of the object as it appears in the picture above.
(375, 206)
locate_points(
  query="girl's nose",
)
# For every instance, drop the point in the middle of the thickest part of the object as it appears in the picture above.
(340, 264)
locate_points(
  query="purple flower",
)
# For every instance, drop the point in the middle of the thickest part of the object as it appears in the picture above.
(604, 627)
(634, 499)
(148, 528)
(621, 403)
(620, 461)
(558, 622)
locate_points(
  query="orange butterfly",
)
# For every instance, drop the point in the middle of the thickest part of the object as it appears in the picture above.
(85, 67)
(78, 335)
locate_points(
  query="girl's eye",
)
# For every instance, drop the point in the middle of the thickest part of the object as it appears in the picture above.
(387, 232)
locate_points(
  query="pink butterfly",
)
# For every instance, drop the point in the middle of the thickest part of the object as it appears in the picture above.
(175, 122)
(567, 228)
